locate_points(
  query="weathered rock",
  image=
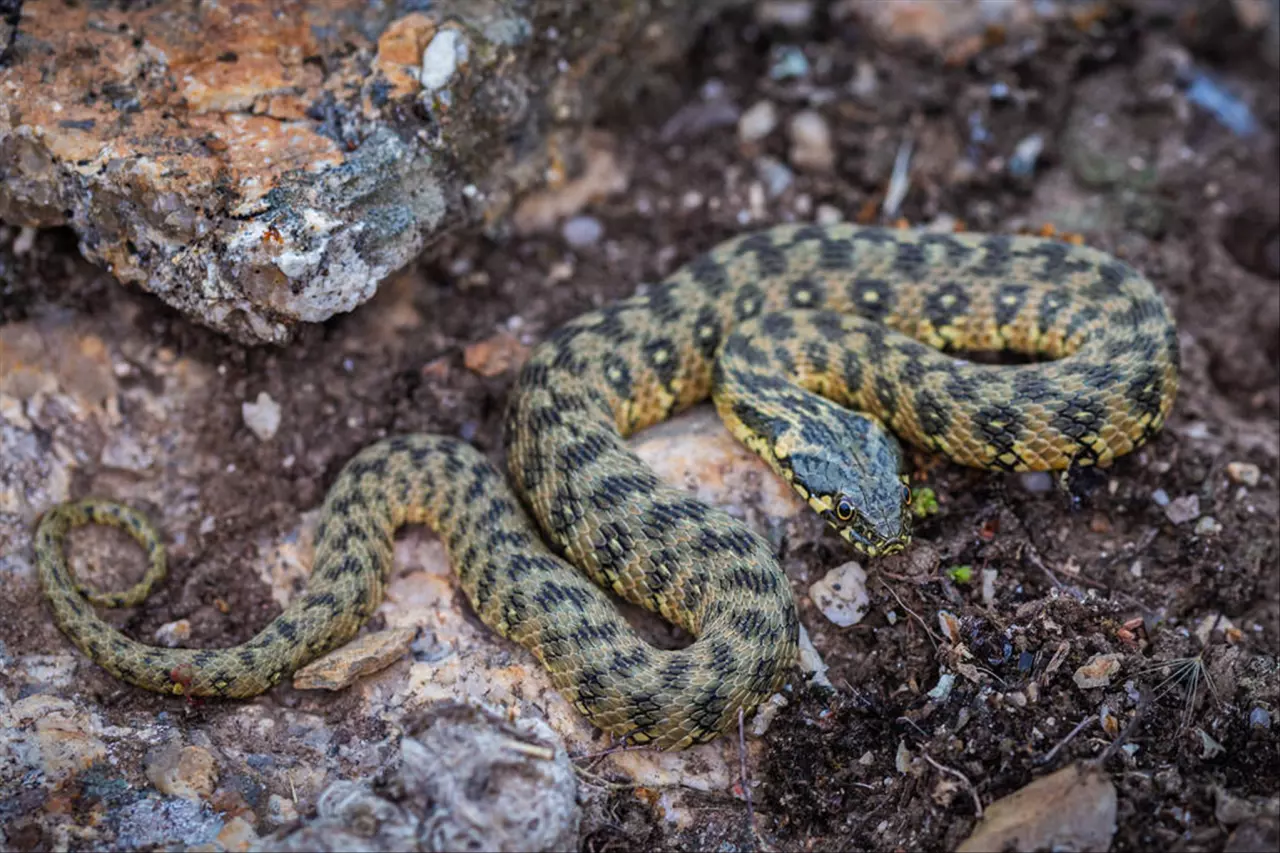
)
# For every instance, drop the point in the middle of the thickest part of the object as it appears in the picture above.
(1072, 809)
(366, 654)
(190, 772)
(465, 780)
(261, 165)
(841, 594)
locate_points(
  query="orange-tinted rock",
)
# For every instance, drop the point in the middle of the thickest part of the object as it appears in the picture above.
(261, 164)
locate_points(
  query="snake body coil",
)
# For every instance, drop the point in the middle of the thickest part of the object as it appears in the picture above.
(784, 328)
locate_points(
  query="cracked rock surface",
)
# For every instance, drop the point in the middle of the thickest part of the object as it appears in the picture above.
(259, 165)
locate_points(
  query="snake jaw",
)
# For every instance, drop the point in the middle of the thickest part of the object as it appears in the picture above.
(878, 547)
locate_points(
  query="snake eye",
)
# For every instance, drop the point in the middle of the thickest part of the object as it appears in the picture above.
(906, 495)
(844, 509)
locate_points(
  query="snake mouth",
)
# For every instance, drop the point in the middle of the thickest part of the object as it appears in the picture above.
(875, 546)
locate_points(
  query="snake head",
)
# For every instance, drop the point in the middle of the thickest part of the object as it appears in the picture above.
(877, 526)
(853, 482)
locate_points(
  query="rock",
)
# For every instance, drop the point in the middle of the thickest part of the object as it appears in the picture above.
(582, 231)
(52, 736)
(789, 14)
(1183, 509)
(775, 176)
(440, 61)
(1260, 835)
(1208, 526)
(827, 214)
(1072, 809)
(262, 416)
(258, 168)
(789, 62)
(602, 176)
(190, 772)
(125, 453)
(1244, 473)
(811, 663)
(757, 122)
(1210, 623)
(1260, 718)
(1025, 154)
(841, 595)
(366, 654)
(496, 355)
(173, 634)
(696, 450)
(1035, 482)
(811, 145)
(462, 780)
(1097, 671)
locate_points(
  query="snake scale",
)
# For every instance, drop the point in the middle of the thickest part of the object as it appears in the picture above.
(818, 344)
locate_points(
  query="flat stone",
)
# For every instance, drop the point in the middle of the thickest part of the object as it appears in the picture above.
(260, 165)
(366, 654)
(1072, 809)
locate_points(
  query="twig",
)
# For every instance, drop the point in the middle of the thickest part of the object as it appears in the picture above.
(973, 792)
(746, 786)
(933, 638)
(1080, 726)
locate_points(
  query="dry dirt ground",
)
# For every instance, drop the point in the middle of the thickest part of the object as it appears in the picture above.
(1112, 568)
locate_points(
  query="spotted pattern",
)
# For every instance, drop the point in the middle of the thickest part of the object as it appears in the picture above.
(819, 345)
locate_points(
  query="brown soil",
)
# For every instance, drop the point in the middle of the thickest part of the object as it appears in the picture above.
(1065, 564)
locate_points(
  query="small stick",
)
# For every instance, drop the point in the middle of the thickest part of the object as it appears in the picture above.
(742, 779)
(973, 792)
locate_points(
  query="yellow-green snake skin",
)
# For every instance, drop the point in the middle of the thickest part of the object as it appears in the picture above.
(857, 315)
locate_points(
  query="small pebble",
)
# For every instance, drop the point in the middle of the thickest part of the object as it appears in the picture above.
(1208, 526)
(865, 83)
(1036, 482)
(441, 58)
(1097, 671)
(262, 417)
(789, 62)
(989, 586)
(946, 681)
(1244, 473)
(758, 122)
(1161, 497)
(841, 595)
(1260, 718)
(1183, 509)
(811, 145)
(173, 634)
(792, 14)
(1023, 162)
(775, 176)
(582, 231)
(1209, 747)
(827, 214)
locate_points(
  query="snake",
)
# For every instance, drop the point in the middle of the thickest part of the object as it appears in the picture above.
(824, 349)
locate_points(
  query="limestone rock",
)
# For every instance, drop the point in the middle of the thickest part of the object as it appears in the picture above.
(260, 165)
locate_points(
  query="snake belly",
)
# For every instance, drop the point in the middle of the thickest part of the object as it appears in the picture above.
(858, 315)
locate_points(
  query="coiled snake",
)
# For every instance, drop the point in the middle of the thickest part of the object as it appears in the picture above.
(784, 328)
